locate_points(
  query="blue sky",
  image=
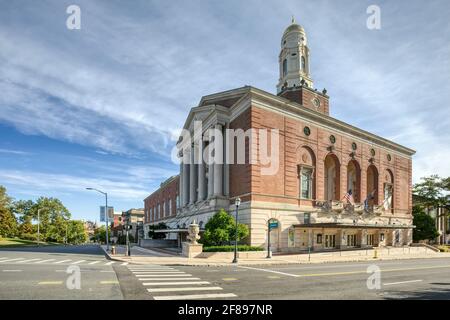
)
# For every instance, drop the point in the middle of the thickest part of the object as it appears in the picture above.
(101, 106)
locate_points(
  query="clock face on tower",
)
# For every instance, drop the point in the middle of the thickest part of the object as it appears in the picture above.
(316, 103)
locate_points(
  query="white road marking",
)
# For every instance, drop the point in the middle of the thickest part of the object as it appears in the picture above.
(125, 263)
(79, 261)
(158, 274)
(184, 289)
(12, 270)
(196, 296)
(3, 258)
(174, 283)
(273, 271)
(45, 260)
(94, 262)
(401, 282)
(164, 275)
(29, 260)
(166, 279)
(150, 269)
(10, 260)
(62, 261)
(159, 271)
(109, 263)
(106, 271)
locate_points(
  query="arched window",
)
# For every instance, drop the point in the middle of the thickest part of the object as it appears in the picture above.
(354, 180)
(332, 178)
(388, 191)
(284, 67)
(306, 172)
(372, 185)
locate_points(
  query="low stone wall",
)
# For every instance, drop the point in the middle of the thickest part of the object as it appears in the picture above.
(158, 243)
(380, 252)
(230, 255)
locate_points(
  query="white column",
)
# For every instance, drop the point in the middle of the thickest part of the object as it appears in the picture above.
(210, 180)
(180, 185)
(201, 176)
(185, 193)
(218, 167)
(192, 178)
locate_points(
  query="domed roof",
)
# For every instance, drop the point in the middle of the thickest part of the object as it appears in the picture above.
(294, 27)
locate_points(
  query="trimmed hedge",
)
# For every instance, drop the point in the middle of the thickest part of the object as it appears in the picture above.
(231, 248)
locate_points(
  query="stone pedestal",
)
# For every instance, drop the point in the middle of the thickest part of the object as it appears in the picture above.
(190, 250)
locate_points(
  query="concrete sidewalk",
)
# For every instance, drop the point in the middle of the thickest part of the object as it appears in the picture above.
(145, 256)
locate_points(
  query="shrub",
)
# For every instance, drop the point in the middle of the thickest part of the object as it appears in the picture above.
(29, 236)
(221, 229)
(444, 248)
(231, 248)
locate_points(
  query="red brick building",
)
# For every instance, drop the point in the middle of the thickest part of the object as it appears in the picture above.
(162, 204)
(319, 161)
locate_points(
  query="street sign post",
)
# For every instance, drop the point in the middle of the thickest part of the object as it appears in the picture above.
(271, 224)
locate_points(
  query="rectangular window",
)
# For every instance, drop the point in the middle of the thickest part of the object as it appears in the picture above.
(178, 201)
(306, 183)
(319, 239)
(170, 207)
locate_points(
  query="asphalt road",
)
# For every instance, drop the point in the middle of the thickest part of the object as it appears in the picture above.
(41, 273)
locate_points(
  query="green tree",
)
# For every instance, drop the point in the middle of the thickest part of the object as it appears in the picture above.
(76, 232)
(221, 229)
(425, 225)
(8, 222)
(432, 192)
(100, 234)
(5, 200)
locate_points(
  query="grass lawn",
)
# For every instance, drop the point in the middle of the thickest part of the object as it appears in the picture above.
(16, 242)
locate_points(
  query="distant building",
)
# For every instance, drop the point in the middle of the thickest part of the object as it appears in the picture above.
(90, 227)
(442, 221)
(162, 205)
(135, 218)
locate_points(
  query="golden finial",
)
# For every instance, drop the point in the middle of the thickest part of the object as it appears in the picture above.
(293, 19)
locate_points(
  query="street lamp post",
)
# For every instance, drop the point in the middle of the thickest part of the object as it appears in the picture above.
(237, 202)
(106, 214)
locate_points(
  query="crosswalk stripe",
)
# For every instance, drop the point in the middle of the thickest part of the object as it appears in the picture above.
(149, 269)
(79, 261)
(45, 260)
(9, 260)
(109, 263)
(29, 260)
(184, 289)
(166, 279)
(94, 262)
(175, 276)
(124, 264)
(159, 274)
(196, 296)
(161, 271)
(62, 261)
(3, 258)
(174, 283)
